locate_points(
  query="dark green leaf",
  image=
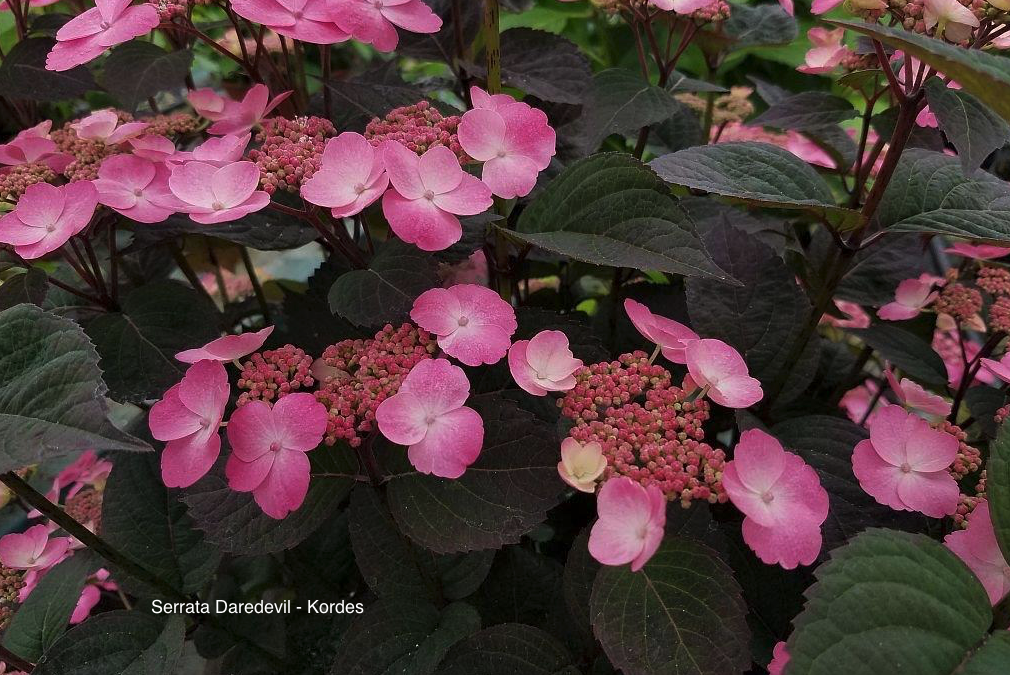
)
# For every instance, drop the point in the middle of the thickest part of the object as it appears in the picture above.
(985, 75)
(805, 111)
(43, 617)
(30, 286)
(680, 614)
(577, 580)
(998, 487)
(612, 210)
(906, 351)
(234, 523)
(441, 46)
(679, 82)
(51, 391)
(147, 521)
(118, 643)
(877, 270)
(523, 587)
(138, 344)
(760, 25)
(508, 649)
(386, 291)
(992, 657)
(23, 74)
(502, 496)
(763, 317)
(137, 70)
(826, 444)
(970, 126)
(544, 65)
(398, 635)
(905, 591)
(264, 231)
(393, 566)
(983, 402)
(682, 130)
(755, 173)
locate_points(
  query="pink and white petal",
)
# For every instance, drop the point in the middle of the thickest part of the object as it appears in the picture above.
(402, 418)
(187, 460)
(72, 53)
(741, 391)
(235, 183)
(437, 310)
(549, 352)
(285, 486)
(439, 170)
(83, 25)
(453, 442)
(470, 197)
(759, 459)
(53, 552)
(135, 21)
(529, 134)
(252, 431)
(650, 544)
(192, 183)
(301, 421)
(364, 200)
(247, 476)
(169, 419)
(612, 542)
(227, 348)
(747, 500)
(895, 311)
(523, 374)
(934, 494)
(81, 201)
(797, 543)
(510, 176)
(878, 478)
(402, 165)
(440, 386)
(205, 389)
(415, 17)
(420, 222)
(476, 344)
(41, 205)
(890, 430)
(482, 134)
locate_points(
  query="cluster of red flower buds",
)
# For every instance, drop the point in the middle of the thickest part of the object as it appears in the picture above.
(290, 151)
(418, 127)
(649, 429)
(16, 179)
(274, 373)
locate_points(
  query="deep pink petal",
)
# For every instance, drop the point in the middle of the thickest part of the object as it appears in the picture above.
(247, 476)
(301, 421)
(187, 460)
(403, 167)
(169, 419)
(440, 386)
(878, 478)
(285, 486)
(797, 543)
(252, 431)
(439, 170)
(402, 418)
(934, 494)
(414, 16)
(468, 198)
(452, 443)
(420, 222)
(482, 134)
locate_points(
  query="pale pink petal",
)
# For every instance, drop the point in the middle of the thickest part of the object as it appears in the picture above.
(439, 385)
(934, 493)
(420, 222)
(227, 348)
(169, 419)
(403, 167)
(451, 444)
(470, 197)
(192, 183)
(402, 418)
(233, 184)
(439, 170)
(799, 544)
(438, 311)
(482, 134)
(511, 176)
(415, 17)
(301, 421)
(285, 486)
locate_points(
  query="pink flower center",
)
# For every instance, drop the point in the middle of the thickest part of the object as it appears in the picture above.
(429, 420)
(463, 320)
(204, 422)
(359, 188)
(296, 15)
(217, 206)
(429, 195)
(906, 467)
(767, 497)
(105, 25)
(275, 446)
(51, 227)
(378, 4)
(137, 192)
(502, 153)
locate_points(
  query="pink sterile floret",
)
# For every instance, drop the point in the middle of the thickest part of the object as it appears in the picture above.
(217, 195)
(153, 147)
(351, 176)
(472, 323)
(32, 549)
(268, 446)
(275, 373)
(188, 417)
(219, 151)
(977, 251)
(1000, 369)
(978, 548)
(34, 145)
(227, 348)
(781, 497)
(660, 441)
(90, 33)
(47, 216)
(290, 151)
(515, 142)
(719, 368)
(375, 23)
(135, 187)
(544, 363)
(104, 126)
(355, 376)
(671, 336)
(827, 52)
(427, 194)
(630, 525)
(581, 464)
(91, 595)
(912, 395)
(418, 127)
(780, 658)
(904, 464)
(911, 297)
(232, 117)
(306, 20)
(443, 436)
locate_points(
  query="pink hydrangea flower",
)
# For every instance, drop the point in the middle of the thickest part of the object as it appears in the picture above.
(856, 316)
(34, 145)
(827, 52)
(268, 450)
(227, 348)
(954, 20)
(217, 195)
(375, 23)
(427, 194)
(472, 323)
(978, 548)
(188, 417)
(232, 117)
(669, 335)
(443, 436)
(351, 176)
(911, 297)
(912, 395)
(32, 549)
(825, 6)
(91, 595)
(977, 251)
(220, 151)
(720, 369)
(47, 216)
(1000, 369)
(581, 464)
(90, 33)
(135, 187)
(544, 363)
(781, 497)
(104, 126)
(306, 20)
(630, 524)
(515, 142)
(856, 402)
(780, 658)
(903, 464)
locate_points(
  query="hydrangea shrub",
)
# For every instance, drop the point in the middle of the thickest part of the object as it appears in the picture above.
(504, 337)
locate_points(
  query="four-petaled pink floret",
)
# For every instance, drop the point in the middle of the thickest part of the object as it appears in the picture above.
(47, 216)
(669, 335)
(472, 323)
(106, 25)
(375, 22)
(32, 549)
(630, 525)
(217, 195)
(544, 363)
(232, 117)
(227, 348)
(137, 188)
(352, 176)
(722, 373)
